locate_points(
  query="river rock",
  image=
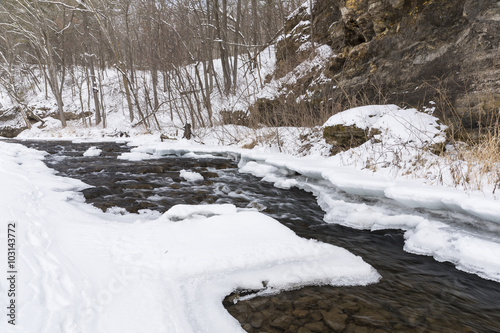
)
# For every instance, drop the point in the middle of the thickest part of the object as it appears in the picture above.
(256, 319)
(247, 327)
(208, 174)
(282, 322)
(350, 307)
(282, 305)
(323, 305)
(261, 303)
(96, 192)
(335, 320)
(304, 303)
(315, 327)
(300, 313)
(352, 328)
(316, 315)
(150, 169)
(303, 330)
(138, 186)
(241, 308)
(372, 321)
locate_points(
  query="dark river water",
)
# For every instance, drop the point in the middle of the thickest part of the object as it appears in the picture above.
(415, 294)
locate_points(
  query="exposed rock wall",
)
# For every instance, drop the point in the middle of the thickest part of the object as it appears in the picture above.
(11, 123)
(406, 52)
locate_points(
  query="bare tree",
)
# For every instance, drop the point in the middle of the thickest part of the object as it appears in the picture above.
(181, 40)
(37, 25)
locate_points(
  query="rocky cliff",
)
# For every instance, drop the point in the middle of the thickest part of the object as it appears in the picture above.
(426, 54)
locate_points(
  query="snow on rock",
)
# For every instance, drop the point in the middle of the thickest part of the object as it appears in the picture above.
(258, 169)
(191, 176)
(320, 57)
(92, 151)
(398, 126)
(82, 270)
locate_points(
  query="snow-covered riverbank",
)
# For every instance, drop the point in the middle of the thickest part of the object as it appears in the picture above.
(81, 270)
(470, 239)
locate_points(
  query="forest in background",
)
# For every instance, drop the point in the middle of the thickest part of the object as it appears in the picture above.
(45, 42)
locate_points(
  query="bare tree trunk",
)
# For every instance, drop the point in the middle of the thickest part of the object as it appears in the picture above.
(120, 66)
(236, 41)
(154, 32)
(90, 64)
(103, 111)
(205, 95)
(221, 28)
(53, 82)
(95, 92)
(210, 49)
(255, 25)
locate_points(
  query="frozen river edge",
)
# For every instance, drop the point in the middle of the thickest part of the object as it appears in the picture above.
(83, 270)
(469, 240)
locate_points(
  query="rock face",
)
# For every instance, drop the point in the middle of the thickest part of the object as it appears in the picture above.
(11, 123)
(405, 52)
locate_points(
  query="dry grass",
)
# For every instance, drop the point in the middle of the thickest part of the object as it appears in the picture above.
(475, 165)
(474, 160)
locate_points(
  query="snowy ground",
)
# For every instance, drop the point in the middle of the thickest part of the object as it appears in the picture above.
(81, 270)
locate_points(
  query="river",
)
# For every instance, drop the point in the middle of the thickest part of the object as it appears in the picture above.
(415, 294)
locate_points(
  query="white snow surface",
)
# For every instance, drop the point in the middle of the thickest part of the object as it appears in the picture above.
(398, 126)
(82, 270)
(92, 151)
(191, 176)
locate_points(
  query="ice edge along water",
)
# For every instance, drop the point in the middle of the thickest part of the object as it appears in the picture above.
(82, 270)
(472, 251)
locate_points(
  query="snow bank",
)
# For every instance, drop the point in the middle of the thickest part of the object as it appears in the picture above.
(82, 270)
(478, 224)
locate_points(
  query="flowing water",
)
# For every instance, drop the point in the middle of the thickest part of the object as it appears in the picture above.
(415, 294)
